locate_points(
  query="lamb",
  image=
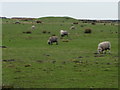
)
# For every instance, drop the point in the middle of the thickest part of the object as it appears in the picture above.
(63, 33)
(104, 46)
(52, 39)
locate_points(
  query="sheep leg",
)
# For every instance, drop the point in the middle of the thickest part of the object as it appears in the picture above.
(109, 51)
(51, 43)
(102, 52)
(105, 51)
(62, 35)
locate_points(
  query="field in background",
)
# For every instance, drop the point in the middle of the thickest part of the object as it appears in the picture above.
(29, 62)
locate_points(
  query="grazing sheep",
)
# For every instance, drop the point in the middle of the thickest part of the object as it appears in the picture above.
(33, 27)
(63, 33)
(104, 46)
(52, 39)
(72, 27)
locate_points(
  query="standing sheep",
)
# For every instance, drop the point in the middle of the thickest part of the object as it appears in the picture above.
(63, 33)
(52, 39)
(33, 27)
(104, 46)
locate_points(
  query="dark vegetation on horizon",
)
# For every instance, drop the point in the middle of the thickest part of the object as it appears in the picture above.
(89, 20)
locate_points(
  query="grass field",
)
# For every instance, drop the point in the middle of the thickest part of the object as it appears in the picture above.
(29, 62)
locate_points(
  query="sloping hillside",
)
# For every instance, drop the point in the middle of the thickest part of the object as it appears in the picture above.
(57, 19)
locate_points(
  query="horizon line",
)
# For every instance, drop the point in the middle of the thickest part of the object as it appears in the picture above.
(60, 16)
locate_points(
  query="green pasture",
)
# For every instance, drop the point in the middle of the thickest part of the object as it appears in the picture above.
(29, 62)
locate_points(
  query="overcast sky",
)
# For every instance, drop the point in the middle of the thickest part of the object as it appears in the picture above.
(79, 10)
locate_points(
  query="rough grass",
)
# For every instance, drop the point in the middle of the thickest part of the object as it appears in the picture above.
(72, 64)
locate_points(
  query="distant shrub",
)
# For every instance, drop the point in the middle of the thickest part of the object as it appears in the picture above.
(48, 32)
(53, 35)
(93, 23)
(25, 20)
(28, 32)
(38, 21)
(44, 31)
(75, 23)
(88, 30)
(17, 22)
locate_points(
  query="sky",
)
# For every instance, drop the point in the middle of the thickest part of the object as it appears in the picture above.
(78, 10)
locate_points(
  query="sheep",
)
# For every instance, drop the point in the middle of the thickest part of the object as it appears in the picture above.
(104, 46)
(63, 33)
(52, 39)
(33, 27)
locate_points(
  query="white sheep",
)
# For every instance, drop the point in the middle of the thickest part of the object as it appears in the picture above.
(63, 33)
(104, 46)
(52, 39)
(33, 27)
